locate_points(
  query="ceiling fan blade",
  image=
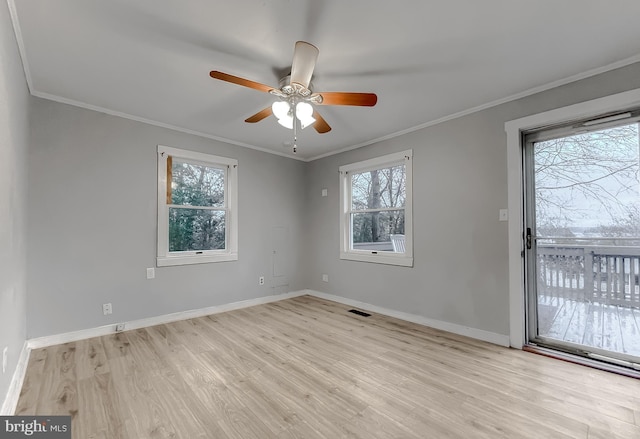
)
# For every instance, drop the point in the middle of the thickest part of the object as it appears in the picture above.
(344, 98)
(260, 115)
(320, 124)
(240, 81)
(304, 61)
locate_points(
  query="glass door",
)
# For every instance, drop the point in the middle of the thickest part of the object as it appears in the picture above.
(583, 238)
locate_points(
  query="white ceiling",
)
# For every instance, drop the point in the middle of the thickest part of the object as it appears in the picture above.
(426, 60)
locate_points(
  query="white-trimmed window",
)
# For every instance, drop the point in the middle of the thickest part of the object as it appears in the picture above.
(197, 207)
(376, 215)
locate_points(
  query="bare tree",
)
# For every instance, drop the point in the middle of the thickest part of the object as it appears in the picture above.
(194, 189)
(374, 203)
(590, 171)
(378, 192)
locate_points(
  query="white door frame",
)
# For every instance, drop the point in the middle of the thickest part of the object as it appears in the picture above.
(514, 129)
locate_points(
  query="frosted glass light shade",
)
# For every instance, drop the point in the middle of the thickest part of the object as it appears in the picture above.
(286, 122)
(280, 109)
(304, 113)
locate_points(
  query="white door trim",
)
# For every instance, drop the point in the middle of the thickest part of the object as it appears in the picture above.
(514, 129)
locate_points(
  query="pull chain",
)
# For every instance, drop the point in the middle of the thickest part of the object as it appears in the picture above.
(295, 131)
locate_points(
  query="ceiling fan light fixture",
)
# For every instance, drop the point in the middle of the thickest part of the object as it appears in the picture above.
(286, 122)
(307, 122)
(304, 113)
(281, 109)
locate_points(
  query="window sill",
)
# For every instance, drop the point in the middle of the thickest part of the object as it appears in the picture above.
(167, 261)
(379, 258)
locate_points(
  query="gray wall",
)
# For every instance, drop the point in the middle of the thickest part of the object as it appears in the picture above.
(14, 100)
(460, 273)
(92, 223)
(92, 219)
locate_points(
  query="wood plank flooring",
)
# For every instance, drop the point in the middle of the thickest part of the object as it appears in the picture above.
(307, 368)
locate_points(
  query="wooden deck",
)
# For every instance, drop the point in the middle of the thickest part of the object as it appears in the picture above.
(611, 327)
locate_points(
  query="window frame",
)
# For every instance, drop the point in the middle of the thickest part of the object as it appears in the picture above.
(381, 257)
(165, 257)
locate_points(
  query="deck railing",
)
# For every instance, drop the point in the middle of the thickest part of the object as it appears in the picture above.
(603, 274)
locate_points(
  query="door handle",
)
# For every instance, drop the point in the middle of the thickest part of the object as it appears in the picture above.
(529, 238)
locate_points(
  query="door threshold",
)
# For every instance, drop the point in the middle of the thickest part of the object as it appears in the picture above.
(583, 361)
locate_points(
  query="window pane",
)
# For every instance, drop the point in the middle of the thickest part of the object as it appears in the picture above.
(378, 188)
(587, 184)
(196, 185)
(373, 230)
(196, 229)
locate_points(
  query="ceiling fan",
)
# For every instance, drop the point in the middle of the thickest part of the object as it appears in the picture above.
(296, 96)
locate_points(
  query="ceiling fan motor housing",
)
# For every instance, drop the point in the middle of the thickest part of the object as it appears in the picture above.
(288, 88)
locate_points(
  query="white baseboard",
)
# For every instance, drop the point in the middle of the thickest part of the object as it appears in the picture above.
(51, 340)
(479, 334)
(13, 394)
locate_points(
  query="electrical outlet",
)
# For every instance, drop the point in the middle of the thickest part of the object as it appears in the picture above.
(325, 278)
(5, 359)
(151, 273)
(106, 309)
(120, 327)
(261, 280)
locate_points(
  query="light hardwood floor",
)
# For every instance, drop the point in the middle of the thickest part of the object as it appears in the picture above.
(306, 368)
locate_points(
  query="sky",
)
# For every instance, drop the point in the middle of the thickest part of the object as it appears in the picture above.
(588, 179)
